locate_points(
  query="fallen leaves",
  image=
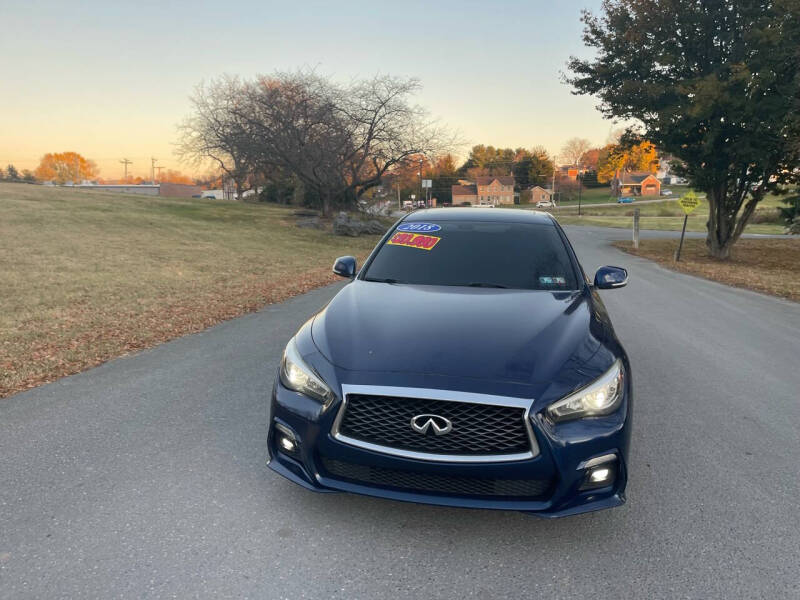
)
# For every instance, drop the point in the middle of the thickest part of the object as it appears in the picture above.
(50, 356)
(770, 266)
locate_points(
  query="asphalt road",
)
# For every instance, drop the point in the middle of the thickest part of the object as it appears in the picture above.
(145, 477)
(637, 201)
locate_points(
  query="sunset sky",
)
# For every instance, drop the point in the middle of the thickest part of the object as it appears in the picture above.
(111, 80)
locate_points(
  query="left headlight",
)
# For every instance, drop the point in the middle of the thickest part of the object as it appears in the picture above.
(601, 397)
(298, 376)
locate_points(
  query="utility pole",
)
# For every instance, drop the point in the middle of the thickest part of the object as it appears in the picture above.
(399, 204)
(77, 171)
(420, 179)
(159, 172)
(153, 169)
(555, 162)
(126, 162)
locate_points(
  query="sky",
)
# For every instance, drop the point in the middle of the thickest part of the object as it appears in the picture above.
(111, 80)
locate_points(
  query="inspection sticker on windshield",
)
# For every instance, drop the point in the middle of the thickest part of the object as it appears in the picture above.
(419, 227)
(414, 240)
(552, 281)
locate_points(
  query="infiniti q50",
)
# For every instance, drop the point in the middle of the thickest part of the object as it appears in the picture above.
(469, 362)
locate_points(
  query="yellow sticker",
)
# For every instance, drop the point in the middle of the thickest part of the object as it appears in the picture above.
(414, 240)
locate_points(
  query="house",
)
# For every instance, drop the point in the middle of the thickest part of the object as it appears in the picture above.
(540, 194)
(489, 189)
(636, 183)
(495, 189)
(463, 194)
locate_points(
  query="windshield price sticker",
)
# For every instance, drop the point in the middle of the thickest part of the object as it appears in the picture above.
(414, 240)
(689, 202)
(419, 227)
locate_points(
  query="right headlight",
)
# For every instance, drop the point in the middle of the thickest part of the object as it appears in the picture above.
(298, 376)
(601, 397)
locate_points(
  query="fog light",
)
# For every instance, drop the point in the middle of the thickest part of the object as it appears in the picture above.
(600, 475)
(286, 444)
(285, 439)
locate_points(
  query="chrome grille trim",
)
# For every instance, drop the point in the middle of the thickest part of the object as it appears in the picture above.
(436, 394)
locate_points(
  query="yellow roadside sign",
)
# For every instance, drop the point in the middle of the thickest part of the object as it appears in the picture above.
(689, 202)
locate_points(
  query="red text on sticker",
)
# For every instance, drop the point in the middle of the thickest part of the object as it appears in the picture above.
(414, 240)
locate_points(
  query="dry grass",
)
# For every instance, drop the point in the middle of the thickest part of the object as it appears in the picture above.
(87, 276)
(770, 266)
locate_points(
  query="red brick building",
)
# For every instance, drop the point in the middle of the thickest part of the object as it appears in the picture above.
(636, 183)
(464, 194)
(496, 189)
(489, 189)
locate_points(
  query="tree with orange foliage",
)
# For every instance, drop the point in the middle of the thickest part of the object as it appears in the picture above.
(614, 157)
(61, 167)
(408, 171)
(173, 176)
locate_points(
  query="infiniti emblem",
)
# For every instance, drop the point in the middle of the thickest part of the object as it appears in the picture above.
(439, 425)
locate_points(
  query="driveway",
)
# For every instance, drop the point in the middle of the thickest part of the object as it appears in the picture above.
(145, 477)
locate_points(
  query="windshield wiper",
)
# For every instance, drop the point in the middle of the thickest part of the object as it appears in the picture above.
(487, 285)
(380, 280)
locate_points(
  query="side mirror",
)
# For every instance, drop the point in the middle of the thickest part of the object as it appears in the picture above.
(608, 278)
(345, 266)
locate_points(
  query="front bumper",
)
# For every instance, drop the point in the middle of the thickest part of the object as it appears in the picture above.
(561, 462)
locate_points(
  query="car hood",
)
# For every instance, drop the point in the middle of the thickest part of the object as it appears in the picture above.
(522, 336)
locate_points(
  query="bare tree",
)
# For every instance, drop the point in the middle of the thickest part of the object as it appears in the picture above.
(214, 132)
(338, 140)
(574, 149)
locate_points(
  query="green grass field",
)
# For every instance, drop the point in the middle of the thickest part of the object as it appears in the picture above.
(87, 276)
(591, 196)
(665, 215)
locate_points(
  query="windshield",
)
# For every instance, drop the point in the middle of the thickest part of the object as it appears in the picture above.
(526, 256)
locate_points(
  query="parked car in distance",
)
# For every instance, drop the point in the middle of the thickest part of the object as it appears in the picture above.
(625, 200)
(545, 204)
(666, 192)
(445, 373)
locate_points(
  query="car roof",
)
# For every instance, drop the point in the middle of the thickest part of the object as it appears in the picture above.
(499, 215)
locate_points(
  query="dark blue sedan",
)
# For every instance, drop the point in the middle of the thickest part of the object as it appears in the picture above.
(469, 362)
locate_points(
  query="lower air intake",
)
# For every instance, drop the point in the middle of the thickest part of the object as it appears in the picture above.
(436, 484)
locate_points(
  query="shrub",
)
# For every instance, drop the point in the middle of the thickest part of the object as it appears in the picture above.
(792, 210)
(767, 215)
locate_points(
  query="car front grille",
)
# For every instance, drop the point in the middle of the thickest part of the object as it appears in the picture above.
(478, 429)
(436, 484)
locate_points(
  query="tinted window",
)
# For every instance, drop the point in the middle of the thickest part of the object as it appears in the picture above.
(510, 255)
